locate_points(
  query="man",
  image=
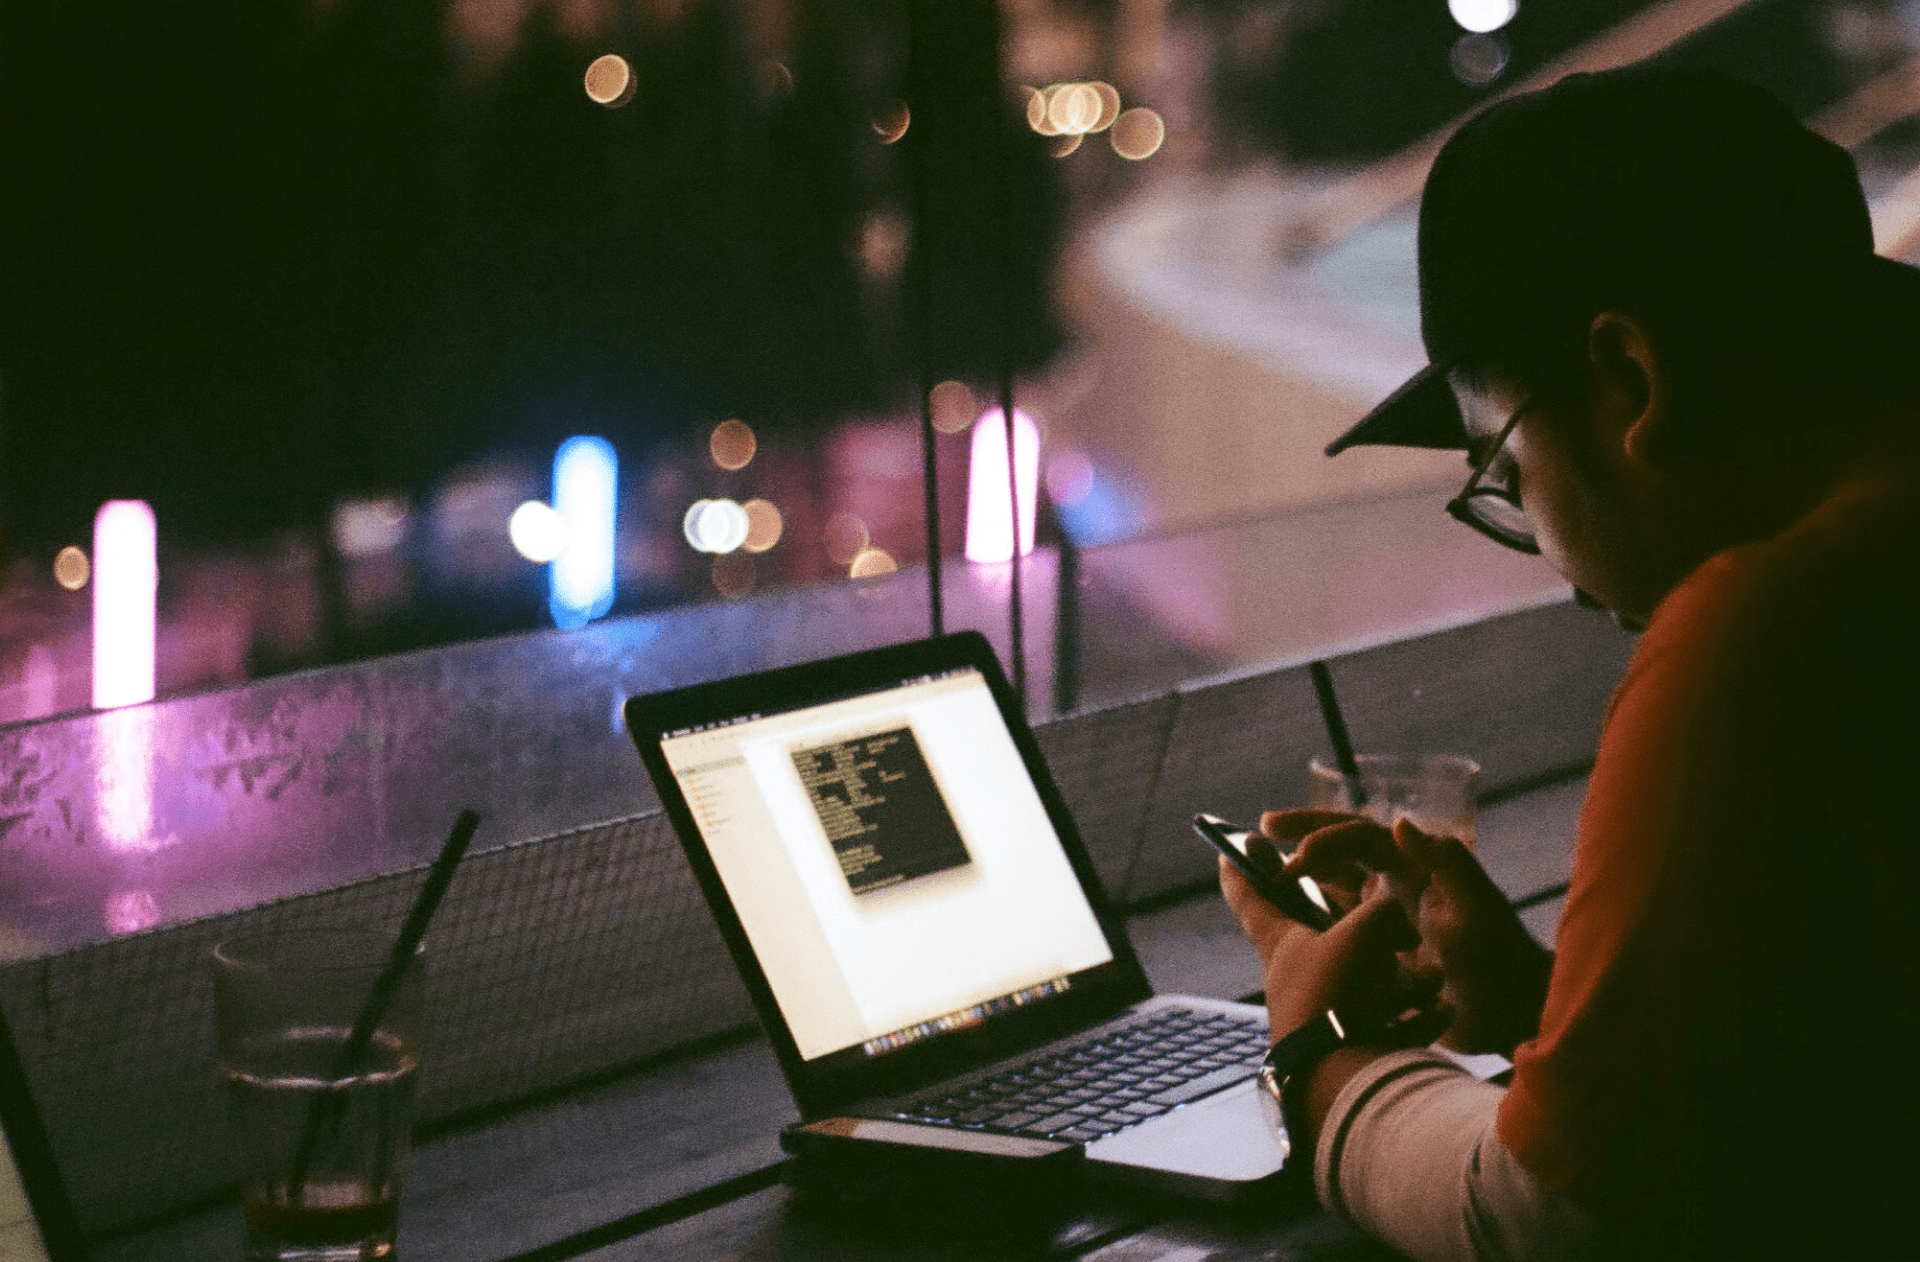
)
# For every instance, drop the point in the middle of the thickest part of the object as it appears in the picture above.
(1657, 326)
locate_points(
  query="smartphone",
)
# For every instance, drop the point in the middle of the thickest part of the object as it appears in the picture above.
(1300, 898)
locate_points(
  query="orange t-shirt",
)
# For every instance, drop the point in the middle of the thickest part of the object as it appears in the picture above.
(1728, 1054)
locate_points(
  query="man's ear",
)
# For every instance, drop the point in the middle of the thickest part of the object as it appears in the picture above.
(1630, 386)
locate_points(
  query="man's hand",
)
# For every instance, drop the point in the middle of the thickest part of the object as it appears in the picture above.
(1493, 974)
(1350, 967)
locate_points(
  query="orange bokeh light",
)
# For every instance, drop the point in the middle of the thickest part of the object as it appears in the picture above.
(71, 569)
(954, 407)
(732, 445)
(609, 81)
(1138, 134)
(869, 562)
(893, 122)
(764, 525)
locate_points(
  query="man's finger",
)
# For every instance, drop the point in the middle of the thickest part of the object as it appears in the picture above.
(1423, 850)
(1445, 857)
(1335, 850)
(1379, 925)
(1292, 825)
(1261, 853)
(1415, 845)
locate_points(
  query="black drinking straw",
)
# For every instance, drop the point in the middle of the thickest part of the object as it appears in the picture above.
(1337, 732)
(404, 948)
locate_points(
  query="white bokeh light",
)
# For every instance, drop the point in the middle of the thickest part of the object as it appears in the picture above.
(1482, 16)
(716, 526)
(538, 532)
(368, 528)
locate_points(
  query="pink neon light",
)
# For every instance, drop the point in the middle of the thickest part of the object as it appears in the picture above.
(989, 521)
(125, 576)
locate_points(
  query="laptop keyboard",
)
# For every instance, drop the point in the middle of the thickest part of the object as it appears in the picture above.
(1118, 1077)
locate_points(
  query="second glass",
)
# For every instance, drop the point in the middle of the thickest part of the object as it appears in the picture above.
(1436, 791)
(321, 1133)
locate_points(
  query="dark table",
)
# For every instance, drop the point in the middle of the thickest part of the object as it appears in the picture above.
(679, 1158)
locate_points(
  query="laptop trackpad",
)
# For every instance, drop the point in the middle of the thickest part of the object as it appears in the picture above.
(1224, 1136)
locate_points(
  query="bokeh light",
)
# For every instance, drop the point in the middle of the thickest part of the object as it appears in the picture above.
(1067, 145)
(1477, 60)
(1037, 111)
(1482, 16)
(764, 525)
(71, 569)
(844, 536)
(733, 574)
(869, 562)
(732, 445)
(368, 528)
(1072, 108)
(1109, 104)
(989, 510)
(1138, 134)
(609, 81)
(537, 532)
(893, 122)
(884, 241)
(716, 526)
(954, 407)
(690, 525)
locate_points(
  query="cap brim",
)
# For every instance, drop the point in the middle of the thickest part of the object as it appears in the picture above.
(1422, 413)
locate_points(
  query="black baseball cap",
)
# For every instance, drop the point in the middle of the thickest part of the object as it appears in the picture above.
(1611, 188)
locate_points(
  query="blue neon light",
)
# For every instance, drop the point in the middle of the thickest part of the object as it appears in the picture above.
(580, 579)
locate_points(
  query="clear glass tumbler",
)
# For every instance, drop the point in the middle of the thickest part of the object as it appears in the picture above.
(1436, 791)
(320, 1128)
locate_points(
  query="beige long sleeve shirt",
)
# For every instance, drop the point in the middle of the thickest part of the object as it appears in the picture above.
(1409, 1154)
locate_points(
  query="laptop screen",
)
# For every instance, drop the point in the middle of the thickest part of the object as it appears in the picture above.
(890, 860)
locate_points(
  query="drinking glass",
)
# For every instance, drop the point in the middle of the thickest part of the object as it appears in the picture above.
(1435, 791)
(320, 1128)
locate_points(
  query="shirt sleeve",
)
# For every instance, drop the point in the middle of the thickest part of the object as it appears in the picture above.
(1410, 1154)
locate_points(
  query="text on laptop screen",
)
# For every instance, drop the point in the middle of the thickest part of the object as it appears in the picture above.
(890, 860)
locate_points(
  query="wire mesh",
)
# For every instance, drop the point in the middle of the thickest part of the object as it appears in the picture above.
(551, 960)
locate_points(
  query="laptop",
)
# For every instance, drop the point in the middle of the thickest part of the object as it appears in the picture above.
(921, 930)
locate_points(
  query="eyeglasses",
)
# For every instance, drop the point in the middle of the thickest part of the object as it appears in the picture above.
(1490, 501)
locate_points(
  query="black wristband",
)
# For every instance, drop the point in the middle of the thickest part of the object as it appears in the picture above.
(1288, 1066)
